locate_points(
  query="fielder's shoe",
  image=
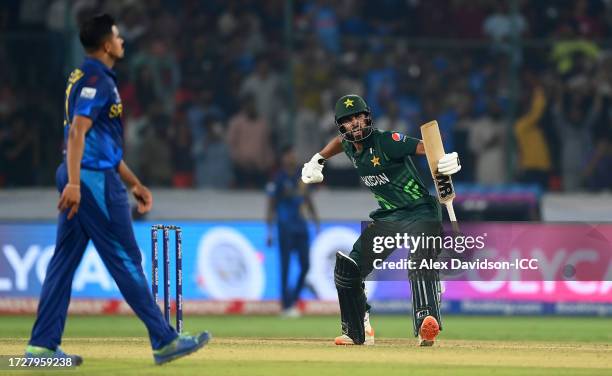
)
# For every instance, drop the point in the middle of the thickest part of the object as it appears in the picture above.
(428, 331)
(183, 345)
(344, 339)
(291, 313)
(43, 352)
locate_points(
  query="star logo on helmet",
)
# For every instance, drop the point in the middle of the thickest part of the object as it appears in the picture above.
(348, 103)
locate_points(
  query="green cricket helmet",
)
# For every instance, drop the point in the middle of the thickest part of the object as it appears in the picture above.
(348, 106)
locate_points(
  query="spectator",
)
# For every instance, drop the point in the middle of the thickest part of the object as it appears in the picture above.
(486, 142)
(574, 129)
(250, 147)
(163, 70)
(468, 17)
(308, 134)
(182, 162)
(534, 155)
(324, 22)
(264, 86)
(133, 25)
(200, 114)
(20, 150)
(155, 152)
(596, 174)
(341, 47)
(587, 25)
(391, 120)
(569, 47)
(501, 24)
(213, 164)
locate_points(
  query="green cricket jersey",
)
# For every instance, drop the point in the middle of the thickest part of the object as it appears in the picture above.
(386, 168)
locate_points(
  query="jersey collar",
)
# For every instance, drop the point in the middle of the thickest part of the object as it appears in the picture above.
(97, 63)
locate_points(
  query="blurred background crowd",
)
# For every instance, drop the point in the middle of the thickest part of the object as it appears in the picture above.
(213, 90)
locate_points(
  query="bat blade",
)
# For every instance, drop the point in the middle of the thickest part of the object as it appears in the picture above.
(434, 150)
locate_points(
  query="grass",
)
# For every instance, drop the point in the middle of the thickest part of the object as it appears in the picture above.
(257, 345)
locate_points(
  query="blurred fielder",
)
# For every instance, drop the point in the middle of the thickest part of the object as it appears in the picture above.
(383, 161)
(287, 196)
(94, 204)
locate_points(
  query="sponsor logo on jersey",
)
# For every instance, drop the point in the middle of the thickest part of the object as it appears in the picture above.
(88, 92)
(396, 136)
(375, 180)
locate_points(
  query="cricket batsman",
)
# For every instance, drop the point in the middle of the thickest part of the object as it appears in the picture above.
(383, 161)
(94, 204)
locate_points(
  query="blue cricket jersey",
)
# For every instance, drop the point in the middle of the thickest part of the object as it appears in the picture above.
(286, 190)
(92, 92)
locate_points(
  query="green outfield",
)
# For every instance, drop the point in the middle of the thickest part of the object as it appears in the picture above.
(272, 346)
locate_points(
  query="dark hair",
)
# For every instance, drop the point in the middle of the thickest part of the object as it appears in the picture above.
(94, 30)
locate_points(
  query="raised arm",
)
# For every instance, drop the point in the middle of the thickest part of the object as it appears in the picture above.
(312, 172)
(333, 147)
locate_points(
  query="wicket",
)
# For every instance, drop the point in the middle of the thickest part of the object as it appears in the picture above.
(166, 260)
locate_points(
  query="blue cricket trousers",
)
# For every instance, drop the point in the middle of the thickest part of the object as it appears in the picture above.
(103, 217)
(290, 241)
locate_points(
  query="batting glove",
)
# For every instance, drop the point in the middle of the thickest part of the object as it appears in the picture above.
(449, 164)
(312, 172)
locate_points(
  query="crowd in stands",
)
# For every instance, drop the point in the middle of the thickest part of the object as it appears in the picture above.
(213, 90)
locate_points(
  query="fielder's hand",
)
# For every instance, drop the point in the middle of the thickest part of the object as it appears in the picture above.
(449, 164)
(312, 172)
(143, 197)
(70, 199)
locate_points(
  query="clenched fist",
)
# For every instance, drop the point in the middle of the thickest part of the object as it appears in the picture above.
(312, 172)
(449, 164)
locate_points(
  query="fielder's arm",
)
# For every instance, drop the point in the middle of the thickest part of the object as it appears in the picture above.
(310, 206)
(141, 193)
(270, 216)
(75, 145)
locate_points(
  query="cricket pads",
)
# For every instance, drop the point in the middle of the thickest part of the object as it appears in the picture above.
(351, 296)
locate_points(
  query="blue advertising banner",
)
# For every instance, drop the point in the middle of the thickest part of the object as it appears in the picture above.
(230, 262)
(220, 260)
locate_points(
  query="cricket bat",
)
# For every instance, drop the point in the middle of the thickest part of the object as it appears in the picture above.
(434, 150)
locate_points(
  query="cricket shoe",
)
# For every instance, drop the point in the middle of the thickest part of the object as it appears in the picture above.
(428, 331)
(344, 339)
(182, 345)
(43, 352)
(291, 313)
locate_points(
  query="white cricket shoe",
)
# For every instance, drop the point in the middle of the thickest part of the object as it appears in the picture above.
(344, 339)
(291, 313)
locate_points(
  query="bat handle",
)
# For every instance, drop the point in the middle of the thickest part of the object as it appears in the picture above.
(451, 216)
